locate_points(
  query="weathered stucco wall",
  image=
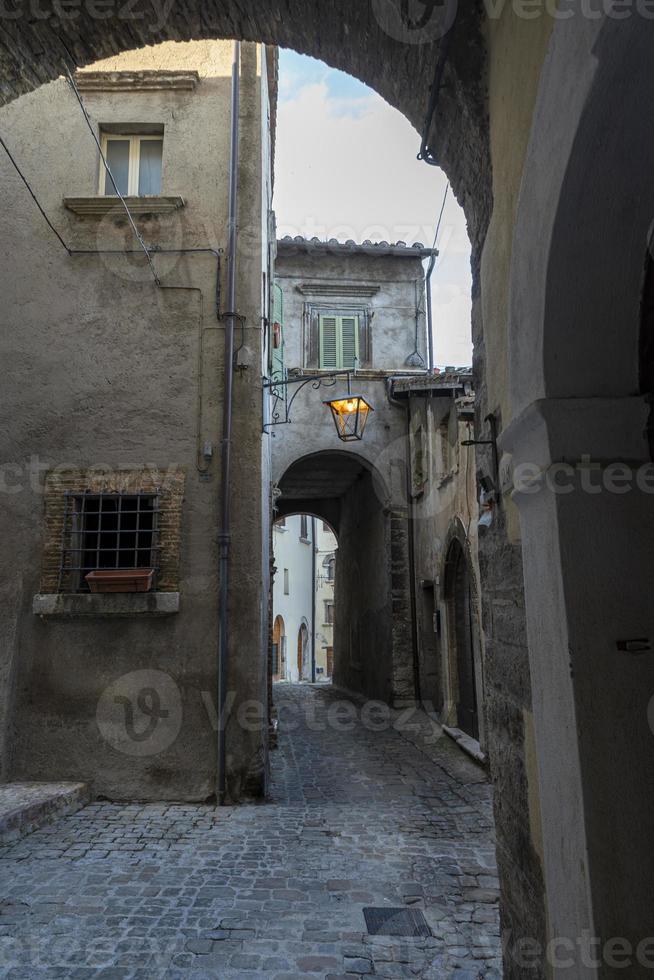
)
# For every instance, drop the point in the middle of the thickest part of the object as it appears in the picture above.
(103, 369)
(309, 272)
(373, 649)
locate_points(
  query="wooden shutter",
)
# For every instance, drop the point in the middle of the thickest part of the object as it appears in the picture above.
(349, 342)
(339, 342)
(329, 342)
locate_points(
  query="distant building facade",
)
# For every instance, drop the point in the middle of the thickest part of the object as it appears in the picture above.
(293, 606)
(344, 309)
(360, 309)
(325, 581)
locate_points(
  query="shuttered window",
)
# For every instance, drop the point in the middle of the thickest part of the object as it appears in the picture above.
(339, 342)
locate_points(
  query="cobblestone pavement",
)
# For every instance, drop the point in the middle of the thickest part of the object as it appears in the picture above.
(357, 818)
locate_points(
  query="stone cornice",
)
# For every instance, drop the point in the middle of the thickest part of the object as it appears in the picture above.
(137, 81)
(98, 207)
(336, 289)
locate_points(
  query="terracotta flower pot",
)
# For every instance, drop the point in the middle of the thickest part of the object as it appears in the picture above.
(120, 579)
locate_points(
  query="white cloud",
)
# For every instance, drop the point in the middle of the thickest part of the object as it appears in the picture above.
(346, 168)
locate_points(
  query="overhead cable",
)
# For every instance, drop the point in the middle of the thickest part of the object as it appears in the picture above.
(32, 194)
(137, 233)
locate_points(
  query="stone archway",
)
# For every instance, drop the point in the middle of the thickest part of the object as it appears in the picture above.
(279, 649)
(372, 647)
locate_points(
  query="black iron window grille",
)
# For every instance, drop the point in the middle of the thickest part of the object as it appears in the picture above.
(104, 531)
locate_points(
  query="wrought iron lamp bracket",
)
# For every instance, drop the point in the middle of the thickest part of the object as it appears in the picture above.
(281, 415)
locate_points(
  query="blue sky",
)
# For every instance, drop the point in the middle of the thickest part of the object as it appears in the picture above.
(347, 168)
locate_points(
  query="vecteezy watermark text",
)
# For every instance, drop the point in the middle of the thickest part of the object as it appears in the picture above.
(140, 714)
(586, 476)
(428, 21)
(587, 950)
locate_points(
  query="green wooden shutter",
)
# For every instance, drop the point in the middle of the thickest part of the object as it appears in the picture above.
(349, 342)
(329, 342)
(339, 342)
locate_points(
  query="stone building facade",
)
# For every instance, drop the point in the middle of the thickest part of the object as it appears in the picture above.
(293, 602)
(115, 390)
(358, 488)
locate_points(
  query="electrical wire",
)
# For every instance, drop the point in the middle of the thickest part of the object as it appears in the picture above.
(115, 251)
(440, 216)
(71, 82)
(32, 194)
(428, 275)
(426, 153)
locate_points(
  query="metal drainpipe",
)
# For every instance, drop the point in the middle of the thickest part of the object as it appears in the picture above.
(314, 552)
(430, 335)
(224, 534)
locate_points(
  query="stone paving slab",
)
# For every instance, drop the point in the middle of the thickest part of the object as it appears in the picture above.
(26, 806)
(356, 818)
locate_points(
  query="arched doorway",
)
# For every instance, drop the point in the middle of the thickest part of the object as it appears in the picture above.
(370, 607)
(302, 652)
(279, 650)
(463, 638)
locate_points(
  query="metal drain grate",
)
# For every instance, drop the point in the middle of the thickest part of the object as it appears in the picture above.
(396, 922)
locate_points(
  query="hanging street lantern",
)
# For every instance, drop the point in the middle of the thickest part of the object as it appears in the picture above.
(350, 413)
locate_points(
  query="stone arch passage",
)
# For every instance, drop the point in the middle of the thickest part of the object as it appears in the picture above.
(373, 653)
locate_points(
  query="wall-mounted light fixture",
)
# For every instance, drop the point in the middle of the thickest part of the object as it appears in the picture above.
(350, 413)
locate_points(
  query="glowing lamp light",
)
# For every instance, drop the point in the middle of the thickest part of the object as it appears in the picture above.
(350, 414)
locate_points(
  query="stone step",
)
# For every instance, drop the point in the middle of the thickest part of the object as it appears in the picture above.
(24, 807)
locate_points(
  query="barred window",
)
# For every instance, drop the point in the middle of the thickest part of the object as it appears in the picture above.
(107, 531)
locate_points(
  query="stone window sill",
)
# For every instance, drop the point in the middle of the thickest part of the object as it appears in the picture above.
(70, 605)
(99, 207)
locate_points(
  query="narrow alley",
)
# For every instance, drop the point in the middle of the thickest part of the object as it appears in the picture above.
(361, 816)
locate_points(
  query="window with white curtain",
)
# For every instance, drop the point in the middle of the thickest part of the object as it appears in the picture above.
(135, 160)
